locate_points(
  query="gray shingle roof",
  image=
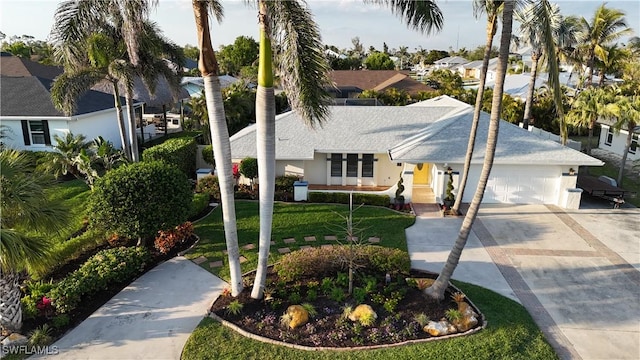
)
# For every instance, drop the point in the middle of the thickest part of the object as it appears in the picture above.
(434, 130)
(30, 96)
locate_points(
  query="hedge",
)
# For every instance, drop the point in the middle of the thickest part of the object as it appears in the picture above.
(136, 200)
(180, 152)
(198, 204)
(102, 270)
(343, 198)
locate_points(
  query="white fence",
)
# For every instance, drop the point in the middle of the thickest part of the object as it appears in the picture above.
(575, 145)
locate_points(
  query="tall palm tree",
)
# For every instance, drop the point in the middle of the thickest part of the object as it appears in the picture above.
(304, 75)
(103, 63)
(626, 112)
(25, 209)
(492, 9)
(438, 288)
(208, 66)
(606, 26)
(586, 108)
(532, 33)
(612, 60)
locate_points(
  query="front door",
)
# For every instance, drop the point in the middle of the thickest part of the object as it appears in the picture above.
(422, 174)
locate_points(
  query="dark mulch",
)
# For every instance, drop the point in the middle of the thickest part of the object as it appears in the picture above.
(327, 329)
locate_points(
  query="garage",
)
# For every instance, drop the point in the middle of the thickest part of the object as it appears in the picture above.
(521, 185)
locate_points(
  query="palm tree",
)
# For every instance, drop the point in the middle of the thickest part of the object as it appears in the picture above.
(586, 108)
(532, 33)
(606, 26)
(303, 73)
(25, 210)
(208, 66)
(626, 111)
(438, 288)
(612, 60)
(61, 162)
(492, 9)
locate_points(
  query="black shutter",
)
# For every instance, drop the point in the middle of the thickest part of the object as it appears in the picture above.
(25, 132)
(47, 136)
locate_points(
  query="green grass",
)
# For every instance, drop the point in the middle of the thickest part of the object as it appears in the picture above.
(74, 195)
(627, 182)
(294, 221)
(510, 334)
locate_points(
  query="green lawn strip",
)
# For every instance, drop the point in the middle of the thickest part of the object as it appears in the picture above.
(510, 334)
(627, 183)
(74, 195)
(292, 220)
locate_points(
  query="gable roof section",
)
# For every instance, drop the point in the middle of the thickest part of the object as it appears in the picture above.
(16, 66)
(30, 96)
(451, 60)
(378, 80)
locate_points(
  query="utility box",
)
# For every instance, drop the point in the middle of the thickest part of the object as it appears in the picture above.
(300, 190)
(203, 172)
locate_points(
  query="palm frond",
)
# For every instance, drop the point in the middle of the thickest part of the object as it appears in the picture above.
(303, 68)
(215, 8)
(69, 86)
(422, 15)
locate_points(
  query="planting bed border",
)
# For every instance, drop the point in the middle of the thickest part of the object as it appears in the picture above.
(267, 340)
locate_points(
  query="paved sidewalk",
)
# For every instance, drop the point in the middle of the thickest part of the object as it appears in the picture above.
(152, 318)
(576, 271)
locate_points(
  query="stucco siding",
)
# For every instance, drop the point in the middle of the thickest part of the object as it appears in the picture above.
(102, 124)
(388, 172)
(618, 143)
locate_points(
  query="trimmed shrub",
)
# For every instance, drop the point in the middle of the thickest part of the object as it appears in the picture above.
(285, 182)
(207, 155)
(137, 200)
(180, 152)
(249, 168)
(198, 204)
(104, 269)
(209, 185)
(343, 198)
(322, 262)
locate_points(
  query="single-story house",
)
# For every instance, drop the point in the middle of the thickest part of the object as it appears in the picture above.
(474, 68)
(616, 142)
(449, 62)
(30, 118)
(350, 83)
(361, 146)
(194, 85)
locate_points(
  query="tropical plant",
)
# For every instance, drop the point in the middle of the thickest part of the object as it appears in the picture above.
(438, 288)
(626, 112)
(63, 160)
(26, 217)
(219, 134)
(587, 107)
(611, 61)
(606, 26)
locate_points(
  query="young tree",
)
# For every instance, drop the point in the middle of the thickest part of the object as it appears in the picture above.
(438, 288)
(379, 61)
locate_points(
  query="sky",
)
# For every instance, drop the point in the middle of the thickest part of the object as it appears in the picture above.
(339, 22)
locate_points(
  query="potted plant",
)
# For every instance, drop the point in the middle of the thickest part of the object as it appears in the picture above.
(399, 198)
(449, 198)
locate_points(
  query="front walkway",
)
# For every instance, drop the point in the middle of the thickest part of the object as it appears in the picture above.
(576, 271)
(152, 318)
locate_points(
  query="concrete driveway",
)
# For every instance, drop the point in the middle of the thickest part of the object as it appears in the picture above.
(152, 318)
(576, 271)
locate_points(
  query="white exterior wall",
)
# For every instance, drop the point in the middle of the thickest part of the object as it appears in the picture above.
(387, 173)
(291, 167)
(618, 143)
(104, 123)
(315, 171)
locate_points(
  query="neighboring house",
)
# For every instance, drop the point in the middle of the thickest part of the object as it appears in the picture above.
(350, 83)
(27, 111)
(450, 62)
(617, 142)
(474, 68)
(373, 146)
(195, 85)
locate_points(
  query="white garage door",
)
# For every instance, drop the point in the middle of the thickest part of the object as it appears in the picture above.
(528, 186)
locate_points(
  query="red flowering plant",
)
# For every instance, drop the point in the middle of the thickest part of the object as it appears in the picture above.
(45, 306)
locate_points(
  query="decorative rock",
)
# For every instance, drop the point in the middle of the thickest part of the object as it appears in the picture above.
(14, 339)
(469, 317)
(440, 328)
(362, 311)
(298, 315)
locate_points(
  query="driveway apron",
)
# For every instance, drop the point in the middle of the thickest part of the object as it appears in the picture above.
(152, 318)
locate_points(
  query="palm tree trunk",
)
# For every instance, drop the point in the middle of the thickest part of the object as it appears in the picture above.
(133, 137)
(119, 116)
(10, 307)
(625, 153)
(208, 66)
(591, 62)
(532, 88)
(590, 137)
(266, 148)
(436, 291)
(491, 31)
